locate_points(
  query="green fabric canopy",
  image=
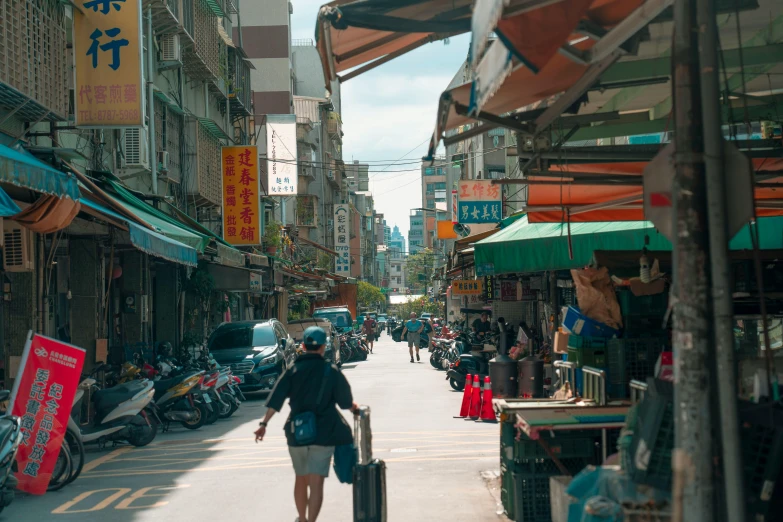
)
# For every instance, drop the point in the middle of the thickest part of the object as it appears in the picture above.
(534, 247)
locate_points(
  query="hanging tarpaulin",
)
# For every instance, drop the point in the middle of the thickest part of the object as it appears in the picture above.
(22, 169)
(48, 214)
(7, 205)
(107, 47)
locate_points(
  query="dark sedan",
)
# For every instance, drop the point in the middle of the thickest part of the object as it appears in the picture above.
(257, 352)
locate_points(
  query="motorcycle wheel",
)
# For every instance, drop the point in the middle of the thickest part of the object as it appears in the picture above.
(214, 415)
(76, 446)
(232, 409)
(455, 385)
(223, 410)
(199, 418)
(62, 469)
(434, 362)
(142, 433)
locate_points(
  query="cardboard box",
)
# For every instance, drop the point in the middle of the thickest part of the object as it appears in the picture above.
(561, 341)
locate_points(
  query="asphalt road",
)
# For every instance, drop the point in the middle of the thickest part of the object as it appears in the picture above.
(435, 462)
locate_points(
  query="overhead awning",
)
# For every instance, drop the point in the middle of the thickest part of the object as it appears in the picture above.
(22, 169)
(367, 33)
(535, 247)
(233, 279)
(214, 129)
(7, 205)
(146, 240)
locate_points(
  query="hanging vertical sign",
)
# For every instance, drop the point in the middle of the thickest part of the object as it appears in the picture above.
(454, 207)
(282, 175)
(479, 202)
(107, 63)
(42, 398)
(342, 238)
(241, 195)
(489, 288)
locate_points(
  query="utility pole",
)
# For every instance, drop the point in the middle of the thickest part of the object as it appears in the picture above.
(692, 489)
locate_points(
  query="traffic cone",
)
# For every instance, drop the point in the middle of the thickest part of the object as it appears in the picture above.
(487, 413)
(463, 412)
(475, 399)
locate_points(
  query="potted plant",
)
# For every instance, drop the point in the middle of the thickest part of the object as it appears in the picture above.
(272, 236)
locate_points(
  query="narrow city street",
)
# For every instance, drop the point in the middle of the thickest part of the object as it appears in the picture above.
(434, 461)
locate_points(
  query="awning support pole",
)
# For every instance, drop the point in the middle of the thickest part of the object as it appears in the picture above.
(692, 487)
(723, 309)
(631, 25)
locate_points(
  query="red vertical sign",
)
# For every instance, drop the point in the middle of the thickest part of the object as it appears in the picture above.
(42, 399)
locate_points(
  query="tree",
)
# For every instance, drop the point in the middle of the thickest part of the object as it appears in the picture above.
(418, 270)
(369, 296)
(419, 306)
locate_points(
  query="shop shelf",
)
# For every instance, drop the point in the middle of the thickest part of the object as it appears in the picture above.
(595, 357)
(578, 324)
(631, 305)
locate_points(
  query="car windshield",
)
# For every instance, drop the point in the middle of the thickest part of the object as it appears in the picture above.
(339, 318)
(382, 317)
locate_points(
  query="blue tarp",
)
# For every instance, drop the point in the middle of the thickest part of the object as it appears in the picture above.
(22, 169)
(149, 241)
(7, 205)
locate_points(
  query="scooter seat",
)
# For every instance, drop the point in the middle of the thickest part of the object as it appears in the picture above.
(111, 397)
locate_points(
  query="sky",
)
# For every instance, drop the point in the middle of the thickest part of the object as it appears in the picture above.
(389, 113)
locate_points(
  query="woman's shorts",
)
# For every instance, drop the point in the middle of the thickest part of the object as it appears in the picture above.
(311, 460)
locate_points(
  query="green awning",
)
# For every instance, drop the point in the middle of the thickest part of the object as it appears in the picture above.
(146, 240)
(20, 168)
(216, 8)
(163, 97)
(525, 247)
(7, 206)
(213, 128)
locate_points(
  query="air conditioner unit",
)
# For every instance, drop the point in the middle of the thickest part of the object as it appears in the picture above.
(163, 160)
(18, 247)
(170, 50)
(134, 149)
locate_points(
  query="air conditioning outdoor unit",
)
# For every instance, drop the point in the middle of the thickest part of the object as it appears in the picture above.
(163, 160)
(170, 50)
(134, 149)
(18, 247)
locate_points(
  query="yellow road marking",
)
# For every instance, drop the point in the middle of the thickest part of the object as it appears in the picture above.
(103, 460)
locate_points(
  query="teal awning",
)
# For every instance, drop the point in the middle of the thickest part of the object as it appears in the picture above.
(525, 247)
(213, 128)
(7, 205)
(152, 243)
(20, 168)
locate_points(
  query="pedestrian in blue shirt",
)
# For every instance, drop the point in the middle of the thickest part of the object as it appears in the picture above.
(413, 327)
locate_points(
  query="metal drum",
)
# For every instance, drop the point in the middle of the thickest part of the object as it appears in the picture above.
(531, 377)
(503, 377)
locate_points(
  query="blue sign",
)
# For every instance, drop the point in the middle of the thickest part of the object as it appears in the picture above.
(479, 211)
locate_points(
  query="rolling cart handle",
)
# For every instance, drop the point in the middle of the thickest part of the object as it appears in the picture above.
(363, 435)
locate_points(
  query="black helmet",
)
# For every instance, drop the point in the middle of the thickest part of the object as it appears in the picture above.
(165, 349)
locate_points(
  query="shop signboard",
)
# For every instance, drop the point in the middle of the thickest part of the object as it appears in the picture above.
(484, 269)
(42, 396)
(107, 51)
(454, 207)
(240, 177)
(342, 238)
(468, 287)
(282, 175)
(255, 282)
(479, 201)
(489, 288)
(510, 290)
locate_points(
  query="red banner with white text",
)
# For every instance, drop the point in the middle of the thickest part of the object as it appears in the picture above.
(42, 399)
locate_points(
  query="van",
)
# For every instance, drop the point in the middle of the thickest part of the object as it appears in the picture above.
(339, 316)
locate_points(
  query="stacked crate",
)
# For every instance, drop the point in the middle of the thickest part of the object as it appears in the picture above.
(587, 351)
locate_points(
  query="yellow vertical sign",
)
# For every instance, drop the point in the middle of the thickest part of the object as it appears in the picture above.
(107, 50)
(241, 195)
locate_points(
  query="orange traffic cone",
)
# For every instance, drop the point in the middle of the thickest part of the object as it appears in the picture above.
(487, 413)
(475, 399)
(465, 409)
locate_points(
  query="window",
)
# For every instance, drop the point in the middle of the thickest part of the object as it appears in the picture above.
(429, 171)
(441, 185)
(397, 268)
(430, 203)
(441, 171)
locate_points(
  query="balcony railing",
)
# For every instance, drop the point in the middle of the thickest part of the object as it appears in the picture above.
(205, 186)
(33, 64)
(187, 22)
(201, 60)
(239, 91)
(165, 15)
(306, 215)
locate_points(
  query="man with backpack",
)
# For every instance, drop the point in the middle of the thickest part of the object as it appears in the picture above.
(314, 427)
(369, 327)
(413, 328)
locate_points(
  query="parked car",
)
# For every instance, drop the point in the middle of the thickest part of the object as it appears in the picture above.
(257, 352)
(383, 319)
(296, 331)
(426, 315)
(339, 316)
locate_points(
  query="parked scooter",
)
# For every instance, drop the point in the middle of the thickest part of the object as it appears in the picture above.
(10, 437)
(474, 363)
(119, 413)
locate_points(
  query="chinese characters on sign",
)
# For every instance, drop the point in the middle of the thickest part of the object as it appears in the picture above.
(107, 62)
(42, 398)
(342, 238)
(241, 195)
(479, 202)
(282, 175)
(467, 287)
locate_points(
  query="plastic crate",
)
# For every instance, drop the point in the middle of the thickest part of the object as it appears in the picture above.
(595, 357)
(655, 426)
(578, 324)
(507, 492)
(643, 325)
(531, 498)
(577, 444)
(631, 305)
(762, 460)
(507, 443)
(582, 341)
(547, 466)
(629, 359)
